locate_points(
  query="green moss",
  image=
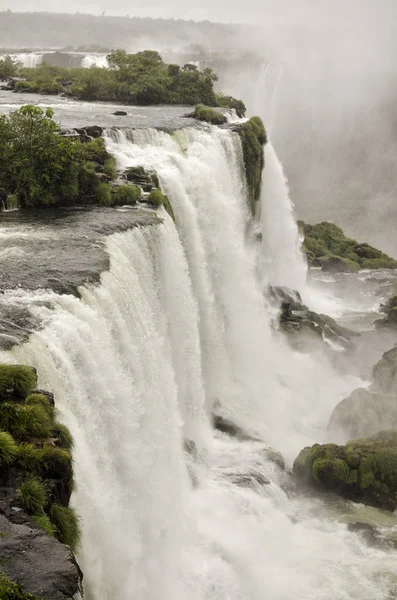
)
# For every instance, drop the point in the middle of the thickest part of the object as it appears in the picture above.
(44, 522)
(104, 194)
(8, 449)
(67, 525)
(336, 252)
(13, 591)
(126, 194)
(16, 380)
(33, 496)
(204, 113)
(253, 137)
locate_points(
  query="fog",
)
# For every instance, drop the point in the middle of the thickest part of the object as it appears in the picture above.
(324, 79)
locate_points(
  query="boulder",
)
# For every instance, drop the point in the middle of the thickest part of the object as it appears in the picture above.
(120, 113)
(385, 373)
(338, 264)
(229, 428)
(363, 470)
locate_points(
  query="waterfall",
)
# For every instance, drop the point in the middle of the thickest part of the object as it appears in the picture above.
(29, 59)
(178, 329)
(281, 241)
(94, 60)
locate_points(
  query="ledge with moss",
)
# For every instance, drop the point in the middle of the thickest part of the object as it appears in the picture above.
(209, 115)
(37, 526)
(364, 470)
(253, 139)
(326, 246)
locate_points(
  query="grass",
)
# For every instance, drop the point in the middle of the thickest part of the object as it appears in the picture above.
(126, 194)
(8, 449)
(104, 194)
(63, 437)
(40, 400)
(204, 113)
(33, 496)
(13, 591)
(27, 457)
(16, 380)
(67, 525)
(109, 168)
(44, 522)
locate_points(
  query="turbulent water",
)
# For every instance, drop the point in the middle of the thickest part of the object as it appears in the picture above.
(177, 329)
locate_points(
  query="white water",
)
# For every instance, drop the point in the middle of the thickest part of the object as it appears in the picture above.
(29, 59)
(95, 60)
(285, 264)
(177, 326)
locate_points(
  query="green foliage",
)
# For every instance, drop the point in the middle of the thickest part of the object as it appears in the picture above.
(44, 523)
(13, 591)
(331, 249)
(204, 113)
(36, 163)
(156, 197)
(40, 400)
(8, 449)
(67, 525)
(33, 496)
(109, 167)
(95, 151)
(63, 437)
(142, 78)
(126, 194)
(230, 102)
(27, 457)
(104, 194)
(16, 380)
(54, 462)
(26, 421)
(253, 138)
(8, 66)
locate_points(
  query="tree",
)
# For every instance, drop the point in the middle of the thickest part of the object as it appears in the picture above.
(8, 66)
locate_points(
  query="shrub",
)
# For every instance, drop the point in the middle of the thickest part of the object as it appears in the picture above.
(156, 197)
(126, 194)
(109, 168)
(317, 247)
(67, 525)
(64, 438)
(54, 462)
(44, 522)
(27, 456)
(25, 421)
(33, 496)
(40, 400)
(95, 150)
(8, 449)
(204, 113)
(104, 194)
(16, 379)
(39, 422)
(230, 102)
(13, 591)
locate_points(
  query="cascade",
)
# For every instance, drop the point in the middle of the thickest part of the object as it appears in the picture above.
(176, 330)
(94, 60)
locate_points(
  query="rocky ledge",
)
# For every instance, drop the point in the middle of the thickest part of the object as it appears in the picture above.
(38, 529)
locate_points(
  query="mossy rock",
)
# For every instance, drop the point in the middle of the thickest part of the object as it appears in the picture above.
(364, 470)
(327, 246)
(157, 198)
(253, 138)
(205, 113)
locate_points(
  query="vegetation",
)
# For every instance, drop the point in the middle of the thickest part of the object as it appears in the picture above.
(8, 66)
(230, 102)
(364, 470)
(204, 113)
(157, 198)
(253, 138)
(33, 496)
(38, 448)
(142, 78)
(327, 246)
(67, 525)
(13, 591)
(125, 194)
(38, 166)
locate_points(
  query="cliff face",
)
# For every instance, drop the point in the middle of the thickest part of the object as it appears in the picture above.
(38, 529)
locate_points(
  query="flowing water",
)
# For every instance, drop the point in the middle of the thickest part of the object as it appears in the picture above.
(179, 328)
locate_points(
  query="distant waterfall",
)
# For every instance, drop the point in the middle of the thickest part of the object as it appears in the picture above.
(178, 329)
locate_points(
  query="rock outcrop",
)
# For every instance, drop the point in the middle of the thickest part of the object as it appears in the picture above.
(364, 470)
(38, 529)
(367, 411)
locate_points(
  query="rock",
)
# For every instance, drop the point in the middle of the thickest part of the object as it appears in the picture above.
(250, 480)
(48, 395)
(229, 428)
(92, 131)
(338, 264)
(363, 413)
(367, 532)
(120, 113)
(385, 373)
(142, 178)
(364, 470)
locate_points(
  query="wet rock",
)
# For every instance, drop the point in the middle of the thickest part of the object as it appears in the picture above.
(385, 373)
(147, 180)
(120, 113)
(229, 428)
(92, 131)
(48, 395)
(364, 470)
(367, 532)
(249, 480)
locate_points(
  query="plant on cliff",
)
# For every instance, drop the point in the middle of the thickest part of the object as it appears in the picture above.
(44, 522)
(16, 380)
(253, 138)
(33, 496)
(13, 591)
(126, 194)
(327, 246)
(157, 198)
(8, 66)
(8, 449)
(204, 113)
(67, 525)
(230, 102)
